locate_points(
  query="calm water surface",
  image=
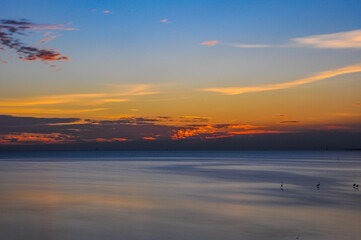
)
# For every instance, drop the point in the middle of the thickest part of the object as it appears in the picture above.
(180, 195)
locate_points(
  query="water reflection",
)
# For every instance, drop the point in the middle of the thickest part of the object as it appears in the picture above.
(180, 196)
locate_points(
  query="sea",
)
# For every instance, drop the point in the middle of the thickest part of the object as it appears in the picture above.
(180, 195)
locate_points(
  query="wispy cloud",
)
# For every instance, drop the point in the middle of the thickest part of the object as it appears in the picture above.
(268, 87)
(350, 39)
(123, 91)
(11, 31)
(210, 43)
(52, 27)
(340, 40)
(134, 89)
(165, 20)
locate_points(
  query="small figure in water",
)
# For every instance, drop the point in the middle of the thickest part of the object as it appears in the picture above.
(282, 185)
(318, 185)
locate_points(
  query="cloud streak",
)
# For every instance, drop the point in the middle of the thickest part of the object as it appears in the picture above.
(47, 39)
(340, 40)
(120, 93)
(289, 121)
(350, 39)
(269, 87)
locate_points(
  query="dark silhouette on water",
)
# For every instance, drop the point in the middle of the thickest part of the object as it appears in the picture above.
(318, 185)
(282, 185)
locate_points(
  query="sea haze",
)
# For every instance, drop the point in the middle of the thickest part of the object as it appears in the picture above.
(169, 195)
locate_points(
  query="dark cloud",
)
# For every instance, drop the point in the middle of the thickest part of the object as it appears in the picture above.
(131, 120)
(136, 133)
(10, 124)
(11, 31)
(28, 128)
(289, 122)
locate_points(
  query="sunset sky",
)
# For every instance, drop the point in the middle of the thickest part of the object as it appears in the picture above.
(120, 71)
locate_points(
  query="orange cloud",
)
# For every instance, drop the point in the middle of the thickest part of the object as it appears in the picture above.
(210, 43)
(280, 115)
(217, 131)
(45, 55)
(165, 21)
(84, 98)
(317, 77)
(149, 138)
(113, 100)
(185, 133)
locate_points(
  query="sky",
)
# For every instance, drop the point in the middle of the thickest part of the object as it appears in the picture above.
(136, 72)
